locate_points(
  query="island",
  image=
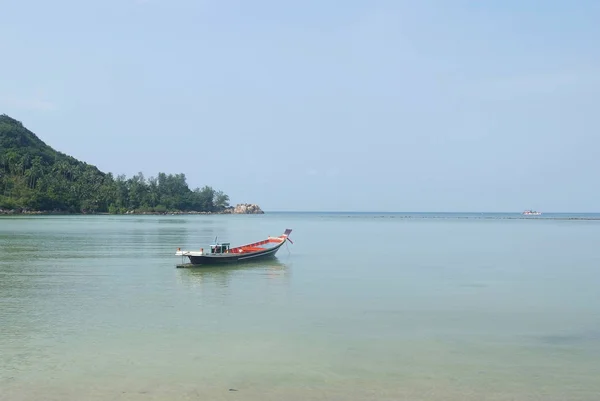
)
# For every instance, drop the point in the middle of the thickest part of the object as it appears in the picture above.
(36, 179)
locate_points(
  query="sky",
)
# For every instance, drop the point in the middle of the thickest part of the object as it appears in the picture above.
(319, 105)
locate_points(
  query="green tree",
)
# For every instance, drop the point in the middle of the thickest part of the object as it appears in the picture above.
(221, 200)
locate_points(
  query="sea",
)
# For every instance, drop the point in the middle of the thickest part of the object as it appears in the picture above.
(361, 306)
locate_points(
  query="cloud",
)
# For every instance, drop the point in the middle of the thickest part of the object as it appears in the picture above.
(331, 172)
(34, 103)
(542, 83)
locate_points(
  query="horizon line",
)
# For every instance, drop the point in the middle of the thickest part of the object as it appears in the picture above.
(380, 211)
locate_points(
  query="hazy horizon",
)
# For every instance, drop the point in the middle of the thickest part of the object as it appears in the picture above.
(379, 105)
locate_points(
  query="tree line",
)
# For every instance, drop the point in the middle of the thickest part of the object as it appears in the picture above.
(34, 176)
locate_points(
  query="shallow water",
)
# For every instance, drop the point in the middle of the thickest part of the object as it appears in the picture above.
(361, 306)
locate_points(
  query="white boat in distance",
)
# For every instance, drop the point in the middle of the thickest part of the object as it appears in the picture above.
(531, 213)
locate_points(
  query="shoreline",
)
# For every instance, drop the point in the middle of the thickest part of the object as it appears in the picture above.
(24, 212)
(13, 212)
(240, 208)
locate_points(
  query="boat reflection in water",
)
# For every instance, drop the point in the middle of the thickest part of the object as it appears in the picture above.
(272, 270)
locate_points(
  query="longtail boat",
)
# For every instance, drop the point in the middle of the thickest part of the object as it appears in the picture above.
(220, 253)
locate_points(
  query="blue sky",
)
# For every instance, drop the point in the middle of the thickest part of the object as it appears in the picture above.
(320, 105)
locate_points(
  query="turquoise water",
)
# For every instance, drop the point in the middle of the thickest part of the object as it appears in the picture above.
(360, 307)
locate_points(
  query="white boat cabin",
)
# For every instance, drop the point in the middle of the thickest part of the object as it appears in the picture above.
(220, 248)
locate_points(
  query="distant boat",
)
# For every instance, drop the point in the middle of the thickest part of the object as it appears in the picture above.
(221, 253)
(531, 213)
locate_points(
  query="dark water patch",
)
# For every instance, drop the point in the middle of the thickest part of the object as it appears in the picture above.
(473, 285)
(571, 339)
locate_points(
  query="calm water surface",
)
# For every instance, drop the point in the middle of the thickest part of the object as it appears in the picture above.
(360, 307)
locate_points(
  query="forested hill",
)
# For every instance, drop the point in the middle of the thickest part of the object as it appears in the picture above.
(33, 176)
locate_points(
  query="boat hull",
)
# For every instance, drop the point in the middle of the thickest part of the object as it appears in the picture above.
(226, 258)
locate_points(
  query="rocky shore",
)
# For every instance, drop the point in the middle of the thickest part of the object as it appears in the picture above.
(244, 208)
(241, 208)
(26, 211)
